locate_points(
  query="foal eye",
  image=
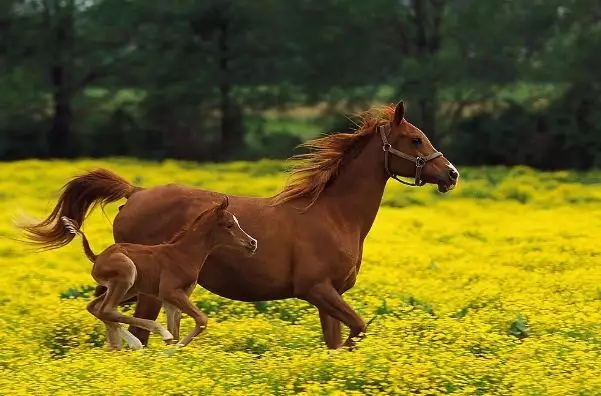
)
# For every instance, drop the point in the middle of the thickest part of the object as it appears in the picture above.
(416, 141)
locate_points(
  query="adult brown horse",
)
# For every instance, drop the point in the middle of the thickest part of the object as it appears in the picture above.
(310, 235)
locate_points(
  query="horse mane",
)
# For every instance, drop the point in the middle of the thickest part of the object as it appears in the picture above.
(312, 172)
(189, 226)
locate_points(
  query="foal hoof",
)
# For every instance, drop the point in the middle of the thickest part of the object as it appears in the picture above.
(132, 341)
(113, 348)
(136, 345)
(167, 337)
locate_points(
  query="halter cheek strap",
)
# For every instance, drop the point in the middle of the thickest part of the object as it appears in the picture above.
(419, 161)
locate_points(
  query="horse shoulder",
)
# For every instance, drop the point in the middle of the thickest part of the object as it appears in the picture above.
(323, 252)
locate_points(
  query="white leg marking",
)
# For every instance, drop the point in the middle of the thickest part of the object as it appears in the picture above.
(131, 339)
(167, 336)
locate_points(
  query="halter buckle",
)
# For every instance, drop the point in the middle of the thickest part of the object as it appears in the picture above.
(386, 147)
(420, 162)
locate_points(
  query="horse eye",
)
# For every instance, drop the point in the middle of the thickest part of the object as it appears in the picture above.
(416, 141)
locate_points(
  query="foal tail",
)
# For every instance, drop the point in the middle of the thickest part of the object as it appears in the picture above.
(79, 196)
(73, 228)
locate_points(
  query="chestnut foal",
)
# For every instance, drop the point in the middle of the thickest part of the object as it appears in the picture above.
(167, 271)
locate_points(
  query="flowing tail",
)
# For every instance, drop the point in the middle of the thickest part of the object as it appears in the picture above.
(79, 196)
(73, 228)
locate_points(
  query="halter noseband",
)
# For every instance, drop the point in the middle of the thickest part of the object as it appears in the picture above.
(419, 161)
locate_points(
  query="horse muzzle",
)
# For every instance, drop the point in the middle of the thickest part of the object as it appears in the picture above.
(251, 246)
(448, 180)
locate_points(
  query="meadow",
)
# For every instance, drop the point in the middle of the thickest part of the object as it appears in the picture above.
(494, 288)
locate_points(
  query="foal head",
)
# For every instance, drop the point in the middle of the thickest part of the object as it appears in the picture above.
(421, 161)
(222, 228)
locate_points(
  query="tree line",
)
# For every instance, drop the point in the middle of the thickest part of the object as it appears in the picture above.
(503, 82)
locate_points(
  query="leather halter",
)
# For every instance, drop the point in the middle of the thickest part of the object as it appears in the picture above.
(419, 161)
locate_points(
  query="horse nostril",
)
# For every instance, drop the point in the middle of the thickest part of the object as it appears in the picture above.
(253, 242)
(453, 174)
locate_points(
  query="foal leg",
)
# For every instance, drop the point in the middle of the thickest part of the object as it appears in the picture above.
(112, 329)
(116, 293)
(115, 332)
(177, 321)
(173, 319)
(330, 328)
(180, 299)
(327, 299)
(148, 308)
(131, 339)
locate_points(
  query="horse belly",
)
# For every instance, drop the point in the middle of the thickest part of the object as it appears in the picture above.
(245, 279)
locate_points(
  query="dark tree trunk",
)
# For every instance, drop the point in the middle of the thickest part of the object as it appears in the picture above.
(423, 43)
(60, 142)
(59, 20)
(232, 135)
(428, 105)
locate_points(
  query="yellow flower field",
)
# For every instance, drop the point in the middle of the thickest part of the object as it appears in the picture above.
(494, 288)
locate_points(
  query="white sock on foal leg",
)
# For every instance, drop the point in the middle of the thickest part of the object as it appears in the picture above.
(131, 339)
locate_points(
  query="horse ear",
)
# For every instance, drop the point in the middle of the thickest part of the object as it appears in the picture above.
(399, 113)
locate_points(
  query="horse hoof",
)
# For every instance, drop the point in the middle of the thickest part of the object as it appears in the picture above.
(132, 341)
(112, 348)
(167, 337)
(136, 346)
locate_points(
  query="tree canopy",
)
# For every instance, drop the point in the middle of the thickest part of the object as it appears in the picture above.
(503, 82)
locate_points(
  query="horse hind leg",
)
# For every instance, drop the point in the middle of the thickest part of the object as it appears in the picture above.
(117, 291)
(330, 302)
(174, 315)
(117, 332)
(108, 312)
(147, 307)
(112, 329)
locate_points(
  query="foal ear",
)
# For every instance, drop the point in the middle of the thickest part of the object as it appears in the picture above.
(224, 203)
(399, 113)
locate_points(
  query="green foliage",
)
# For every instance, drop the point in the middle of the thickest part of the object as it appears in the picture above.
(519, 328)
(564, 134)
(489, 82)
(81, 292)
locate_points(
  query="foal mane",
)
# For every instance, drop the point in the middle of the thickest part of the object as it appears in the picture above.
(189, 226)
(312, 172)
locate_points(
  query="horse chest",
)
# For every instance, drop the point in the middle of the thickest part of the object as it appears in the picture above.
(349, 263)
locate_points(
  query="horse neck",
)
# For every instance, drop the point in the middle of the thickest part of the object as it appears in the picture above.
(356, 193)
(195, 244)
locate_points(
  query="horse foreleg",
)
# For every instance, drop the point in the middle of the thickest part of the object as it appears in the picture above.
(180, 299)
(330, 328)
(148, 308)
(174, 315)
(328, 300)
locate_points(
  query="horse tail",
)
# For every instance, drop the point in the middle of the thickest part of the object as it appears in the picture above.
(72, 226)
(79, 197)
